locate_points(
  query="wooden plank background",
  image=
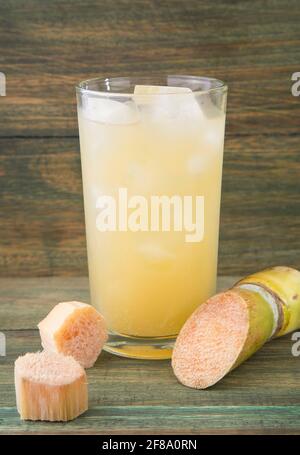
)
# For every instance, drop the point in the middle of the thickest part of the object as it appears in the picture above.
(47, 46)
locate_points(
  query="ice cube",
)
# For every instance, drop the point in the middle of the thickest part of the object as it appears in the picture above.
(155, 254)
(142, 92)
(110, 111)
(210, 105)
(190, 109)
(213, 137)
(139, 175)
(167, 103)
(213, 134)
(197, 163)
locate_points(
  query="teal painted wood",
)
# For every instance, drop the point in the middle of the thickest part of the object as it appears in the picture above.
(165, 420)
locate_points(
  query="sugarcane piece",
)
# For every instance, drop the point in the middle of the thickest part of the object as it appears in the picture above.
(231, 326)
(76, 329)
(50, 386)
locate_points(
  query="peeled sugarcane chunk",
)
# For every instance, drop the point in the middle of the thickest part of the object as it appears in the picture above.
(231, 326)
(50, 386)
(76, 329)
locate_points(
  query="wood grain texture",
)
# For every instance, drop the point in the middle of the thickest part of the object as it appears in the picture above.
(47, 47)
(159, 420)
(42, 219)
(139, 396)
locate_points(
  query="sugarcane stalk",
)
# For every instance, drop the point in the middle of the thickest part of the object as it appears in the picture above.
(231, 326)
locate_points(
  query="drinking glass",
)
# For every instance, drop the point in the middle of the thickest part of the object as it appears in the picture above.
(151, 154)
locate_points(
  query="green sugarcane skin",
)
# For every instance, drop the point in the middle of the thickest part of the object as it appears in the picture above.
(284, 284)
(261, 323)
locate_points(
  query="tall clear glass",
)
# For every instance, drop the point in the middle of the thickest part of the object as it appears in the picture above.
(151, 154)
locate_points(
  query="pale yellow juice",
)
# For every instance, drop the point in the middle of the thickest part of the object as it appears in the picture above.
(146, 283)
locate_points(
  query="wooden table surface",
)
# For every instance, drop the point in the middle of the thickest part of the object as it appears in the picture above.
(138, 396)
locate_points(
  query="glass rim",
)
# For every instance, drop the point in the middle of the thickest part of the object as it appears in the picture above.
(220, 86)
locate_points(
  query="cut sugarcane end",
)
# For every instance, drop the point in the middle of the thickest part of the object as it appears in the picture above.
(211, 340)
(50, 386)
